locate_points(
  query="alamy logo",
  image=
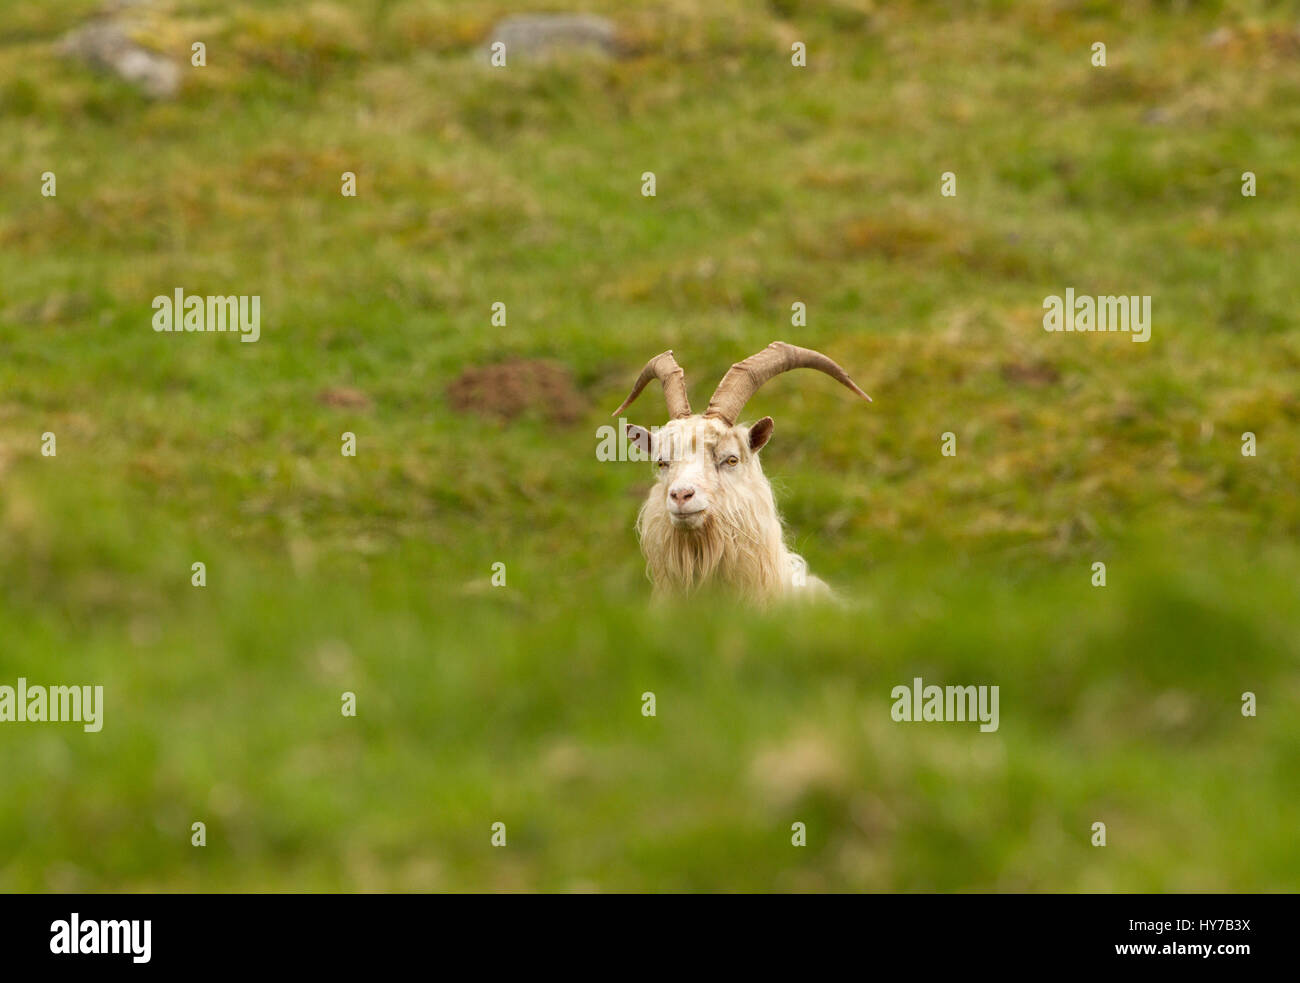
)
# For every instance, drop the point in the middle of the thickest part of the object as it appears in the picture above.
(77, 938)
(195, 313)
(1085, 313)
(613, 443)
(53, 704)
(946, 703)
(617, 444)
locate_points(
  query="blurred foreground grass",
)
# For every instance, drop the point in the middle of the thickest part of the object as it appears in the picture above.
(522, 704)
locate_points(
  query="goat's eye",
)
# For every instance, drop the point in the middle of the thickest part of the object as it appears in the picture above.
(731, 461)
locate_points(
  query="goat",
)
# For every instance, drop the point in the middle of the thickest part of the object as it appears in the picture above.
(711, 517)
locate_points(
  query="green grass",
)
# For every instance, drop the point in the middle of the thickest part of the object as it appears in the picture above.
(522, 704)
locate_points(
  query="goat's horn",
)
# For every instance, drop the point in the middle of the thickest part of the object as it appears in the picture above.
(743, 379)
(664, 368)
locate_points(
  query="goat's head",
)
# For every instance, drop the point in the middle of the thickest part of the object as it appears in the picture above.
(703, 465)
(712, 498)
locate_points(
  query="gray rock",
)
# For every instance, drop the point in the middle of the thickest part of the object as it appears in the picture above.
(104, 44)
(541, 37)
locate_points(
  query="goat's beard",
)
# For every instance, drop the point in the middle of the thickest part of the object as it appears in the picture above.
(738, 545)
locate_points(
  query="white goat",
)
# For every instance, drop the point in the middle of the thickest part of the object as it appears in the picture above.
(712, 518)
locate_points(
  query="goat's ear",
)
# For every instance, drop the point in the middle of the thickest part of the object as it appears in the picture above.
(760, 433)
(639, 437)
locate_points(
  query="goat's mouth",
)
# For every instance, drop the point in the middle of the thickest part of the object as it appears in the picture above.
(687, 520)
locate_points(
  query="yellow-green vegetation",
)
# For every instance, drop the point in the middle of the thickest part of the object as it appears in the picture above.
(522, 704)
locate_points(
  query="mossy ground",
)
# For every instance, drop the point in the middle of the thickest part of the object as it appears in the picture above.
(522, 704)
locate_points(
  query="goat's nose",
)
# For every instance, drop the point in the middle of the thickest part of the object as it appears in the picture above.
(680, 495)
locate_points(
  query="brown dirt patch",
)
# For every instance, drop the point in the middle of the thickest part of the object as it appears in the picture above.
(509, 389)
(343, 397)
(1030, 374)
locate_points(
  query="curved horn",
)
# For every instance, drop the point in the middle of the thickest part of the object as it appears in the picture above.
(664, 368)
(743, 379)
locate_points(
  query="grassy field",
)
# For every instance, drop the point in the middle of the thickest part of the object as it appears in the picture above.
(522, 704)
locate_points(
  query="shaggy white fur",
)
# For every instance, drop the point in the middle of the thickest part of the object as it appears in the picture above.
(712, 517)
